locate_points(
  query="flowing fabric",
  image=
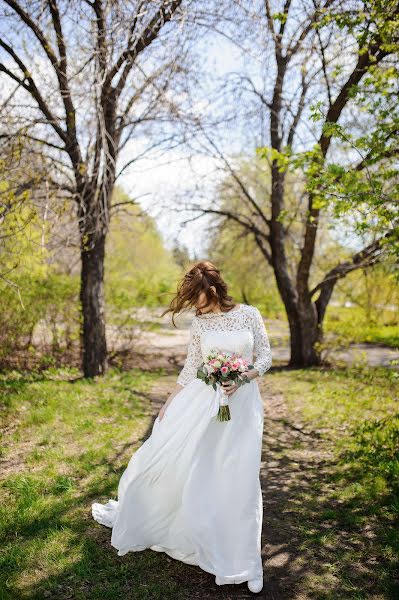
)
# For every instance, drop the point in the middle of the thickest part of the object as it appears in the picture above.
(192, 489)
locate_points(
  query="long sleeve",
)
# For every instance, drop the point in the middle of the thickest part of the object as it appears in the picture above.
(261, 344)
(194, 357)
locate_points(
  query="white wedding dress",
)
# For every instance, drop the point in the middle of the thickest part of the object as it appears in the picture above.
(192, 489)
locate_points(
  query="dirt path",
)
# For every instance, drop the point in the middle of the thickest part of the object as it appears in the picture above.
(291, 458)
(295, 474)
(166, 346)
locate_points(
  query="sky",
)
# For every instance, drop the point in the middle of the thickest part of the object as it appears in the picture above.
(157, 183)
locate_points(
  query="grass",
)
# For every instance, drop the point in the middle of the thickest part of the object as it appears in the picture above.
(67, 441)
(351, 325)
(346, 519)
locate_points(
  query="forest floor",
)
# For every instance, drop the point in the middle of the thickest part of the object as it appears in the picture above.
(329, 519)
(329, 478)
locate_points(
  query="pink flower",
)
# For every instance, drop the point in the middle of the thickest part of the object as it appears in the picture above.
(224, 370)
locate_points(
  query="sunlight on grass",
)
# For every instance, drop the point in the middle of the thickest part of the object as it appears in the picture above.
(348, 513)
(70, 440)
(352, 325)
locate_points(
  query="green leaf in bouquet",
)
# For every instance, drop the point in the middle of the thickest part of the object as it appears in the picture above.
(200, 373)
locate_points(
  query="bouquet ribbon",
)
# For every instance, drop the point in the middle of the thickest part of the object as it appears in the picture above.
(222, 404)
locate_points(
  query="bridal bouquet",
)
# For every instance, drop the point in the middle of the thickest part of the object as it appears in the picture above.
(220, 367)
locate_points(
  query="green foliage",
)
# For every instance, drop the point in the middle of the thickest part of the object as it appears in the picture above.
(38, 301)
(50, 304)
(281, 16)
(368, 183)
(360, 180)
(138, 270)
(281, 158)
(371, 315)
(40, 311)
(357, 408)
(352, 326)
(339, 455)
(375, 446)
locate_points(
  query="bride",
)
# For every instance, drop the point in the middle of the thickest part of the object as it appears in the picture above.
(192, 489)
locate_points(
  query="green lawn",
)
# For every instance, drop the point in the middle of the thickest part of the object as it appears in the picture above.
(66, 445)
(68, 440)
(346, 515)
(351, 325)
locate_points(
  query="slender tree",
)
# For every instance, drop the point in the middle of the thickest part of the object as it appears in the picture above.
(325, 101)
(83, 80)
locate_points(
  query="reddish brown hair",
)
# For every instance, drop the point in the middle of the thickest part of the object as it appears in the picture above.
(199, 279)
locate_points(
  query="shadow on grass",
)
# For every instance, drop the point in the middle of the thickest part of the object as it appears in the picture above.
(80, 562)
(327, 533)
(329, 523)
(55, 530)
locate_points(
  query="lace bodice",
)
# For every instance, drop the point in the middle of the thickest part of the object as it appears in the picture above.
(241, 330)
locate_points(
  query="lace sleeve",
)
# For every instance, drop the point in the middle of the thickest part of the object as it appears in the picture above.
(194, 357)
(261, 344)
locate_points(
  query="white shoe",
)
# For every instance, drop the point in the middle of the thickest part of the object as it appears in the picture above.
(255, 585)
(217, 580)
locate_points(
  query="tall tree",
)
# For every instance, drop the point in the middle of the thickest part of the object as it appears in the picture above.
(325, 100)
(83, 80)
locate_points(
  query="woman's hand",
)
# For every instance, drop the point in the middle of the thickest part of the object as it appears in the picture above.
(229, 387)
(251, 374)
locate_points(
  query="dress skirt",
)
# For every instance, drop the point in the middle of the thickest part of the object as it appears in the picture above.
(192, 489)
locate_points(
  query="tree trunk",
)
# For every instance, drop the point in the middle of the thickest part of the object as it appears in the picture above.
(303, 319)
(93, 337)
(305, 332)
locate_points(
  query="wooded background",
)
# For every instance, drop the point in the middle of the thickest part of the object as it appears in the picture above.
(136, 138)
(302, 197)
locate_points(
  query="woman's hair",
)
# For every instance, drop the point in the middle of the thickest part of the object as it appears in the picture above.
(199, 279)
